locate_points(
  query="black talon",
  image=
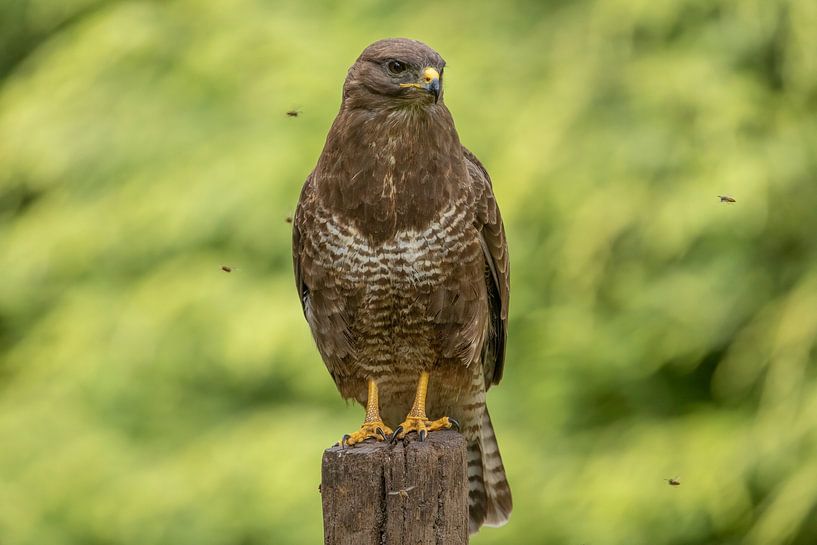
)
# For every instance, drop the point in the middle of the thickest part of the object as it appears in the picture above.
(344, 439)
(394, 435)
(379, 431)
(454, 423)
(422, 435)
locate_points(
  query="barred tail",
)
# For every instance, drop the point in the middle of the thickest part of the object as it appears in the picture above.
(489, 496)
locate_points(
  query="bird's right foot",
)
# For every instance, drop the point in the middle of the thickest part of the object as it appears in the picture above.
(376, 430)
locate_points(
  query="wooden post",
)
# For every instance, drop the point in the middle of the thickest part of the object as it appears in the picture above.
(381, 494)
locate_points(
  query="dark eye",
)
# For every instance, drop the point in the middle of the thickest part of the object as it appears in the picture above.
(396, 67)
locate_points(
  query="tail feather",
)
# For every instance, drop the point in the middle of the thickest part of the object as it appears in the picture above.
(477, 497)
(489, 496)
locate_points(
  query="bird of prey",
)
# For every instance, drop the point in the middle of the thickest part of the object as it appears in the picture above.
(401, 264)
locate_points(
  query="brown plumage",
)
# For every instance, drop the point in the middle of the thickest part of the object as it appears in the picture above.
(401, 260)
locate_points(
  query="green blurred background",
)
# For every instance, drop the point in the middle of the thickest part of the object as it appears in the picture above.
(147, 397)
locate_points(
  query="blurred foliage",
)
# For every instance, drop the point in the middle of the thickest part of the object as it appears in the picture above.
(147, 397)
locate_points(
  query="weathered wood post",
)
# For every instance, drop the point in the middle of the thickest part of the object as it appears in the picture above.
(381, 494)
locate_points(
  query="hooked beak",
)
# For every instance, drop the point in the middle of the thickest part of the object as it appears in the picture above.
(433, 87)
(430, 81)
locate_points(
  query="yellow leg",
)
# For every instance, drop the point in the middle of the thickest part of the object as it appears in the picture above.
(417, 419)
(373, 426)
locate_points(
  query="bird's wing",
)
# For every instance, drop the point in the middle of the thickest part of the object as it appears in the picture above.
(328, 308)
(497, 268)
(303, 290)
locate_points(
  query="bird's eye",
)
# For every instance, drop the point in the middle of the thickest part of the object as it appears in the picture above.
(396, 67)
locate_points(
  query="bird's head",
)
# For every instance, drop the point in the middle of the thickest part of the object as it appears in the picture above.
(395, 73)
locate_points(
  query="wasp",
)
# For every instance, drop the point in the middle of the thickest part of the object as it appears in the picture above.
(293, 113)
(675, 481)
(726, 198)
(227, 268)
(403, 492)
(288, 219)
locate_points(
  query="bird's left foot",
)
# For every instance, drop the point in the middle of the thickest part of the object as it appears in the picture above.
(423, 426)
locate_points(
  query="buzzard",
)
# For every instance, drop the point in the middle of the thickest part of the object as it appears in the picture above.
(401, 265)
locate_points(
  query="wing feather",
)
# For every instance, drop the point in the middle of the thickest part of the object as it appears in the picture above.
(297, 248)
(328, 308)
(497, 269)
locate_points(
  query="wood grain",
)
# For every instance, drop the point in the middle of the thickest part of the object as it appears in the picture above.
(409, 492)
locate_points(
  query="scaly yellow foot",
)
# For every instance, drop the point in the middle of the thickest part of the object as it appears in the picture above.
(417, 420)
(369, 430)
(373, 426)
(423, 426)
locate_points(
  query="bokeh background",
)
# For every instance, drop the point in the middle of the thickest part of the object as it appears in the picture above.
(147, 397)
